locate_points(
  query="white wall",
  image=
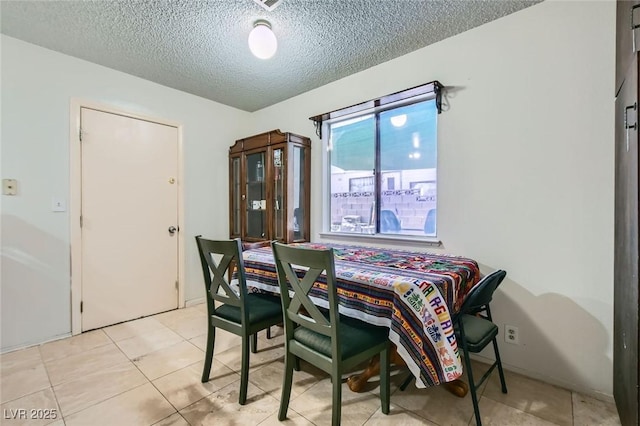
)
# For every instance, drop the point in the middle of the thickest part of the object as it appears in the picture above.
(525, 172)
(37, 87)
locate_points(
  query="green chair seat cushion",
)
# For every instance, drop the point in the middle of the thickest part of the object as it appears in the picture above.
(478, 332)
(261, 307)
(355, 337)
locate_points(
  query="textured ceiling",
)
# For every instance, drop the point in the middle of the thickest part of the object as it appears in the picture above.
(200, 47)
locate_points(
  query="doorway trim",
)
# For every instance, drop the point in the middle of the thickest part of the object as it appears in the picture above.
(75, 191)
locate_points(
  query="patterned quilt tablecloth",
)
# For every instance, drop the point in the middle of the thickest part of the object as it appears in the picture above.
(412, 293)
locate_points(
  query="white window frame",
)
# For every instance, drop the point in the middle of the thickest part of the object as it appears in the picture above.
(326, 177)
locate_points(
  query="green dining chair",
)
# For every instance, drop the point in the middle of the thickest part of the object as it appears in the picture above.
(238, 312)
(325, 339)
(474, 330)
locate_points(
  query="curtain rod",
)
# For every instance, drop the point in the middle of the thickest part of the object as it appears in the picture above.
(432, 87)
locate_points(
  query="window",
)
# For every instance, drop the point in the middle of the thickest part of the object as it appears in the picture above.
(382, 165)
(360, 184)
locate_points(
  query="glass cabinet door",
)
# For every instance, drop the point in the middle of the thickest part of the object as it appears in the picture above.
(298, 193)
(256, 196)
(236, 194)
(279, 222)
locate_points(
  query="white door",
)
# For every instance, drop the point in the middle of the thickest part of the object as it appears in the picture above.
(129, 203)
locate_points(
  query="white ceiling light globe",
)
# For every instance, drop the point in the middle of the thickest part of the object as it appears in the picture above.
(262, 41)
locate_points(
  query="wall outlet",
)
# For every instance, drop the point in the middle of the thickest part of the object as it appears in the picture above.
(511, 335)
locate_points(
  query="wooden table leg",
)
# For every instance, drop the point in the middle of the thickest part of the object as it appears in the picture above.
(457, 387)
(357, 382)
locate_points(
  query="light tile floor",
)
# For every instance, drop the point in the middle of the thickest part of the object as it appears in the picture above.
(147, 372)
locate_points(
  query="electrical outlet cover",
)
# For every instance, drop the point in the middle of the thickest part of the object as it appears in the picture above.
(58, 205)
(511, 335)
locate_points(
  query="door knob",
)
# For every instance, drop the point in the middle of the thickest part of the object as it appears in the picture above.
(172, 230)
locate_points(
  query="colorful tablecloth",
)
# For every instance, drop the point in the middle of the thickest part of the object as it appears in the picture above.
(412, 293)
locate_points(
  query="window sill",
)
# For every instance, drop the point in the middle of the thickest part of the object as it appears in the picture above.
(386, 238)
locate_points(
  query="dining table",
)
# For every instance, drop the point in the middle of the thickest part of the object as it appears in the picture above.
(414, 294)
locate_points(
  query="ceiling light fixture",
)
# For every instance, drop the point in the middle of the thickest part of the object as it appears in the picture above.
(262, 41)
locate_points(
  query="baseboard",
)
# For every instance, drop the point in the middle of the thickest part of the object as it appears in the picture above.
(193, 302)
(31, 344)
(573, 387)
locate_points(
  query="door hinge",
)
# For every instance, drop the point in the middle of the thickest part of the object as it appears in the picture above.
(80, 134)
(176, 284)
(81, 306)
(628, 108)
(81, 221)
(628, 126)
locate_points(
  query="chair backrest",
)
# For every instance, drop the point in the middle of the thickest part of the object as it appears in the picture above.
(297, 217)
(482, 293)
(430, 222)
(217, 257)
(389, 222)
(298, 269)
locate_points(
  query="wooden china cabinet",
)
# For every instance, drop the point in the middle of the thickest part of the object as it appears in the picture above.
(269, 176)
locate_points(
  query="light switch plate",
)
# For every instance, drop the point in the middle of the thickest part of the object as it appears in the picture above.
(58, 205)
(9, 187)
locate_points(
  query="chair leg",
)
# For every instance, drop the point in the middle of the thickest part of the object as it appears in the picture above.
(289, 361)
(336, 400)
(503, 383)
(208, 358)
(472, 387)
(296, 364)
(406, 382)
(244, 370)
(268, 332)
(385, 389)
(254, 343)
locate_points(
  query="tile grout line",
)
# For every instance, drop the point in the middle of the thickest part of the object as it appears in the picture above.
(105, 400)
(149, 381)
(184, 339)
(53, 390)
(120, 393)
